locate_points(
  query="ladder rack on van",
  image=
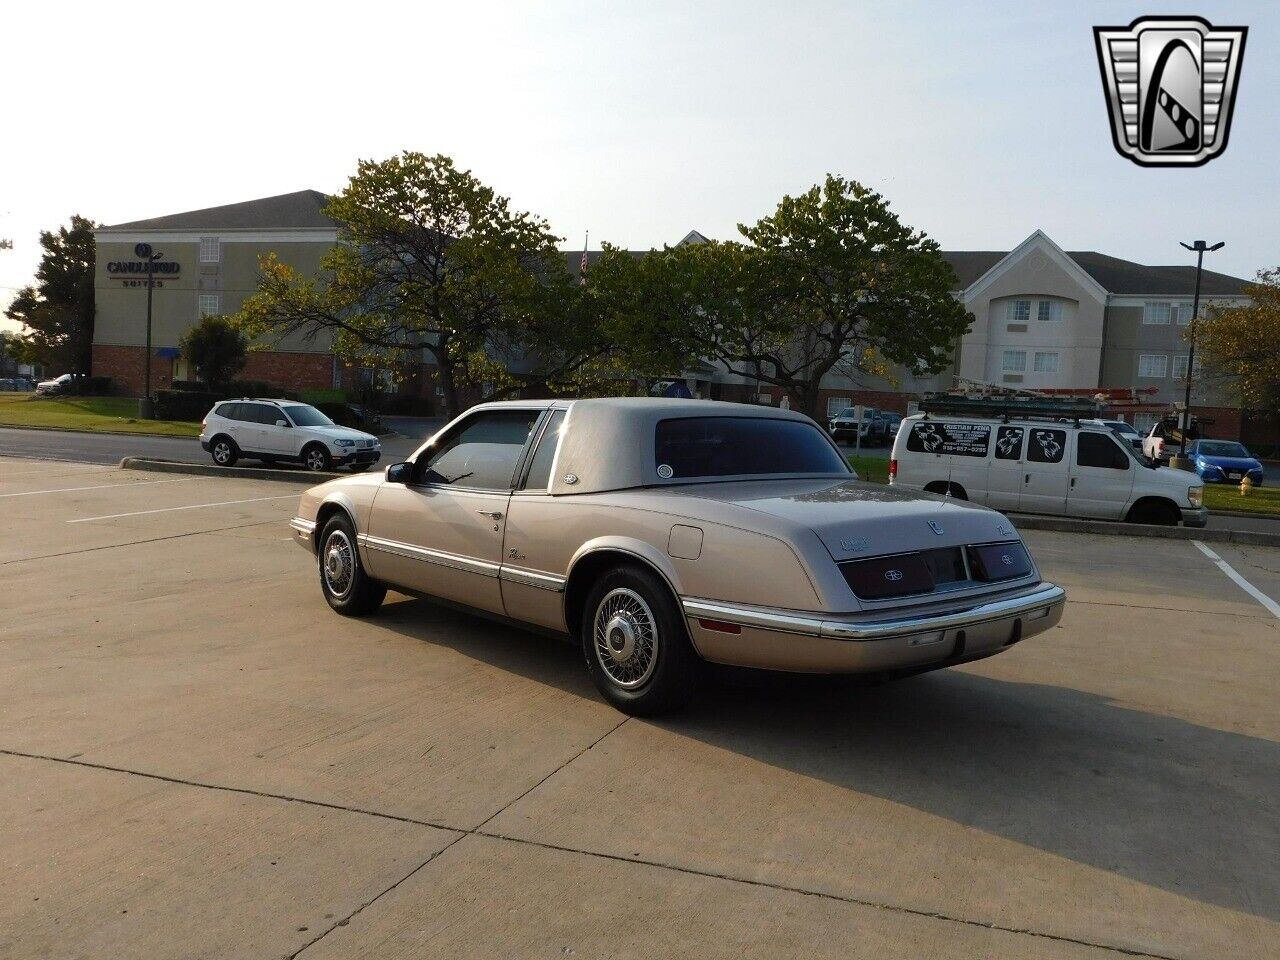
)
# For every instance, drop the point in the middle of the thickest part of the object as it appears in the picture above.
(1007, 408)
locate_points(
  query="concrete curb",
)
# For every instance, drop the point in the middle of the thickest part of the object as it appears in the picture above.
(1248, 515)
(1107, 528)
(102, 433)
(244, 473)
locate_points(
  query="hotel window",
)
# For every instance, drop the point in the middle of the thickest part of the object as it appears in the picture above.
(209, 305)
(1046, 362)
(1154, 365)
(1019, 311)
(836, 404)
(1180, 368)
(210, 250)
(1049, 310)
(1015, 361)
(1156, 311)
(1184, 314)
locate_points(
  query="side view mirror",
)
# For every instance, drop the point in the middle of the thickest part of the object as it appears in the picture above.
(400, 473)
(282, 423)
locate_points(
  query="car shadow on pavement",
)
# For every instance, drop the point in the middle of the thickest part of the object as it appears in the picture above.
(1182, 807)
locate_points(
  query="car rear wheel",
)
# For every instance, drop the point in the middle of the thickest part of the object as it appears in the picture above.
(224, 451)
(316, 458)
(346, 586)
(636, 644)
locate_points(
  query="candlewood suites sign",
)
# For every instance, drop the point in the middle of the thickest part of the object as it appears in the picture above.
(134, 272)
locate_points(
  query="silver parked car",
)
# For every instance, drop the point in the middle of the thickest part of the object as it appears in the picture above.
(658, 533)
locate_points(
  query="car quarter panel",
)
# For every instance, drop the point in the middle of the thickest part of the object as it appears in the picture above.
(547, 536)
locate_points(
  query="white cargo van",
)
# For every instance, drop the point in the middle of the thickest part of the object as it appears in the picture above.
(1028, 464)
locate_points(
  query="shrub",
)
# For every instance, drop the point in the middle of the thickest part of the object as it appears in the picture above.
(90, 386)
(184, 404)
(216, 349)
(258, 388)
(189, 385)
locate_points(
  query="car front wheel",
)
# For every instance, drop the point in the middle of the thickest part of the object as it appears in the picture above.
(316, 458)
(346, 586)
(636, 644)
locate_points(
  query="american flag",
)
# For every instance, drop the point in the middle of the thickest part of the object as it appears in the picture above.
(582, 264)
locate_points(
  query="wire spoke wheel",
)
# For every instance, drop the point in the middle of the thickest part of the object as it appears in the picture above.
(625, 638)
(339, 564)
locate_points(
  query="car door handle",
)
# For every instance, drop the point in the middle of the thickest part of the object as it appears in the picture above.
(1073, 481)
(491, 514)
(1027, 478)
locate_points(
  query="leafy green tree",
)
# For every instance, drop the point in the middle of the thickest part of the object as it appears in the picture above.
(837, 283)
(1241, 345)
(831, 282)
(57, 311)
(217, 350)
(430, 260)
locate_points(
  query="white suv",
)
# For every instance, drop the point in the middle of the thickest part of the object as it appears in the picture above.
(271, 430)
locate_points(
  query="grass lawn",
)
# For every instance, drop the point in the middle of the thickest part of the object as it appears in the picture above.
(875, 469)
(1226, 496)
(86, 413)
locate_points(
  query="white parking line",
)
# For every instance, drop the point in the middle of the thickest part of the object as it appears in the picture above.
(1240, 581)
(192, 506)
(99, 486)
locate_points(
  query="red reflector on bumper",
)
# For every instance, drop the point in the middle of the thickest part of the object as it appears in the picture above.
(719, 626)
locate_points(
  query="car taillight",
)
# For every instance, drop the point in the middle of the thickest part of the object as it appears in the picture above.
(893, 469)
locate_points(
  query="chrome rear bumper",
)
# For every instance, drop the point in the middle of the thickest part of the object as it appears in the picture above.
(792, 640)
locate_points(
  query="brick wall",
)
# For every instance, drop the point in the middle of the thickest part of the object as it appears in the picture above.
(126, 366)
(291, 371)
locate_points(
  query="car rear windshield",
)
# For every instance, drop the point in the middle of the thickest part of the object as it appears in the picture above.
(1221, 448)
(700, 447)
(304, 416)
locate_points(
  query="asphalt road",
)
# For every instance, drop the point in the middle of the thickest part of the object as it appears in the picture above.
(199, 758)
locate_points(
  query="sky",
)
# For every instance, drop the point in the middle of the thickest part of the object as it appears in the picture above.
(980, 122)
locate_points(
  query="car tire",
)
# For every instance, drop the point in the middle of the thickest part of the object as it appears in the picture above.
(316, 458)
(346, 586)
(1155, 513)
(224, 451)
(636, 644)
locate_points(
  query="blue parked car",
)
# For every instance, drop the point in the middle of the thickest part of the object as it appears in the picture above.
(1224, 461)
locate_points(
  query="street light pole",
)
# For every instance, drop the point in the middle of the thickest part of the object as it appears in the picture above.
(1199, 247)
(146, 406)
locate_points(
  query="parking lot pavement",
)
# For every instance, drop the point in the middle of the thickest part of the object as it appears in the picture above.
(189, 734)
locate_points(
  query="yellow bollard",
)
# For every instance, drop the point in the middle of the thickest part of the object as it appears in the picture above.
(1246, 486)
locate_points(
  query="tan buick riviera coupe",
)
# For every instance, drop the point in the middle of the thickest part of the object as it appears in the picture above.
(660, 532)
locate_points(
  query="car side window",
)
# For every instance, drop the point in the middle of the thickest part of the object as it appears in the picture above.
(1008, 443)
(539, 477)
(229, 411)
(481, 452)
(256, 413)
(1097, 450)
(1046, 446)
